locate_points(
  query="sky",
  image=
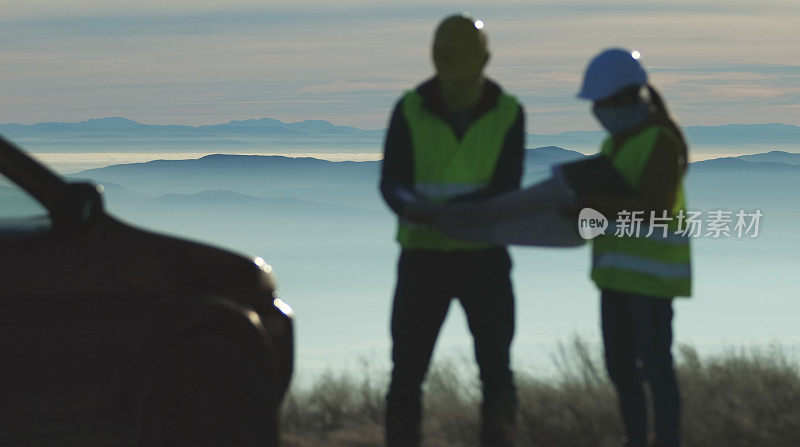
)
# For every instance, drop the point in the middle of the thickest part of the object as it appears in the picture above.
(201, 62)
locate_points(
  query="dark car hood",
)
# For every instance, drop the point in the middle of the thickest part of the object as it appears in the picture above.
(148, 259)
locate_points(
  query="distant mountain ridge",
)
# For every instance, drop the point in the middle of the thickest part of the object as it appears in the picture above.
(768, 160)
(735, 135)
(311, 178)
(773, 157)
(540, 156)
(113, 130)
(124, 127)
(307, 186)
(551, 154)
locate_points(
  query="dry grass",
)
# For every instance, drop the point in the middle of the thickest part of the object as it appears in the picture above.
(748, 399)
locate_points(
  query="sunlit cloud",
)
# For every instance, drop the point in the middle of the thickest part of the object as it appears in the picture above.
(356, 87)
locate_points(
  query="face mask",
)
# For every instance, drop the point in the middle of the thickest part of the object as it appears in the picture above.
(618, 119)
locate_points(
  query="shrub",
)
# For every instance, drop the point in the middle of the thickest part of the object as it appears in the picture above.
(737, 399)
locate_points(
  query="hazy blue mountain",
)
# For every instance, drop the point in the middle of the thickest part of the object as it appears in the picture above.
(740, 163)
(123, 127)
(109, 124)
(120, 134)
(116, 134)
(122, 195)
(258, 175)
(263, 176)
(273, 126)
(551, 154)
(708, 139)
(344, 183)
(309, 179)
(584, 140)
(773, 156)
(241, 181)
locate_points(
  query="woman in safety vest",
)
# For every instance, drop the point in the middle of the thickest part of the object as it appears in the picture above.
(646, 263)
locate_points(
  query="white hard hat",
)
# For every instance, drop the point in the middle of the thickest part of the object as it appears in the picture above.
(610, 72)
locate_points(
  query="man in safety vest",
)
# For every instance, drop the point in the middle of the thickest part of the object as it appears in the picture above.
(456, 137)
(640, 274)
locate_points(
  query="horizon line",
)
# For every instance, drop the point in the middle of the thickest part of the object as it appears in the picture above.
(60, 158)
(347, 125)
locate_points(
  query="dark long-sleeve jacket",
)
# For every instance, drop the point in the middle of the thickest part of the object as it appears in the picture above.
(397, 177)
(659, 181)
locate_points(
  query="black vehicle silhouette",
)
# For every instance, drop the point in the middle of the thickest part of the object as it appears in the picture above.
(115, 336)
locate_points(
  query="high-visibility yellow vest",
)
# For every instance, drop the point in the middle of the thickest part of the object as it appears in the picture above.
(655, 265)
(445, 166)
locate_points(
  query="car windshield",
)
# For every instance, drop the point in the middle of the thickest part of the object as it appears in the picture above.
(19, 211)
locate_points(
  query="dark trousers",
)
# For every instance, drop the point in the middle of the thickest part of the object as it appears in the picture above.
(637, 334)
(426, 283)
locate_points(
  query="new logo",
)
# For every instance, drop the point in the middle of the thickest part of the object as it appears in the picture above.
(591, 223)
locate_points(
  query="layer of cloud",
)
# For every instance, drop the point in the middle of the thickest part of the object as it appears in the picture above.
(196, 62)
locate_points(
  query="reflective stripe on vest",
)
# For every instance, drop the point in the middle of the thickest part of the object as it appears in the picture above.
(654, 265)
(445, 167)
(643, 265)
